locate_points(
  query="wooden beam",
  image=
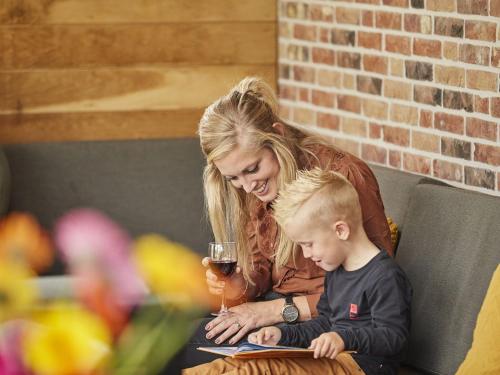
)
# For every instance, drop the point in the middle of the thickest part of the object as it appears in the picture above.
(55, 127)
(133, 11)
(84, 46)
(121, 89)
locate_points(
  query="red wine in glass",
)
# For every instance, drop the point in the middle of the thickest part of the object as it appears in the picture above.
(222, 268)
(223, 260)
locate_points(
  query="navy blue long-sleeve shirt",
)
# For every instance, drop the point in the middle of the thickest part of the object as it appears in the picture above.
(369, 308)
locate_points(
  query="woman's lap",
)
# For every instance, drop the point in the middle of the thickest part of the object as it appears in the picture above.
(344, 364)
(189, 356)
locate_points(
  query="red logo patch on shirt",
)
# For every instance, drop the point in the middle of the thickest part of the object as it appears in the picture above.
(353, 312)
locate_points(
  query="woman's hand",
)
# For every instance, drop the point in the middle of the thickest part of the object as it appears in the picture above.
(233, 285)
(266, 336)
(242, 319)
(328, 345)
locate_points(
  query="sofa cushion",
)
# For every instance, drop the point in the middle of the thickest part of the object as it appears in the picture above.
(395, 189)
(4, 183)
(145, 185)
(449, 250)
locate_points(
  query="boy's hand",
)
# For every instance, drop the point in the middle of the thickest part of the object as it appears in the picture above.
(265, 336)
(328, 345)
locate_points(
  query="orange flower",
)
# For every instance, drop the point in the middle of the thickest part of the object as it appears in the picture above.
(99, 298)
(23, 240)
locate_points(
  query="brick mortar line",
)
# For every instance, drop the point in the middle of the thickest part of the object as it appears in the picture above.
(433, 110)
(310, 64)
(337, 69)
(350, 48)
(388, 100)
(329, 132)
(410, 150)
(394, 147)
(338, 111)
(360, 49)
(389, 31)
(391, 9)
(318, 43)
(438, 133)
(377, 52)
(462, 165)
(393, 124)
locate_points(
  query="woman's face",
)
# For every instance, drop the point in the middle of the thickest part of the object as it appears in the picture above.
(255, 171)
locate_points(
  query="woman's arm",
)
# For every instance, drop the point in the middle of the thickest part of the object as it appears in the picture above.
(252, 315)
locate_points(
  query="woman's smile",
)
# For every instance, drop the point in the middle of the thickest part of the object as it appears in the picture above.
(262, 190)
(254, 171)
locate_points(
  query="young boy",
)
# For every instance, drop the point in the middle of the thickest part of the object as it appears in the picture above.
(364, 312)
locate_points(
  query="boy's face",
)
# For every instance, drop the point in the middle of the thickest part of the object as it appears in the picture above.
(319, 242)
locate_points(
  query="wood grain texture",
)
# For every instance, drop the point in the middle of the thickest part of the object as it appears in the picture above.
(124, 89)
(133, 11)
(78, 46)
(55, 127)
(125, 69)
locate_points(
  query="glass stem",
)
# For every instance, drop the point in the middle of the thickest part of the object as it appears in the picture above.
(223, 307)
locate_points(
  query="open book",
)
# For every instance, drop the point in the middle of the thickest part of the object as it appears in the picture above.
(248, 350)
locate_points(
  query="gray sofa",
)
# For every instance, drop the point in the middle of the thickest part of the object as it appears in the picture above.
(449, 244)
(146, 186)
(449, 248)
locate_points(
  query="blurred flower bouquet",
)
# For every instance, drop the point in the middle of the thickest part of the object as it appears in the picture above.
(133, 301)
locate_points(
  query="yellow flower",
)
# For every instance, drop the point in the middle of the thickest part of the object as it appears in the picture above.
(67, 340)
(16, 294)
(171, 270)
(23, 240)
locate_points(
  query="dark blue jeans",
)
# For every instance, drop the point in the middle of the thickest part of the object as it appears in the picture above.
(189, 356)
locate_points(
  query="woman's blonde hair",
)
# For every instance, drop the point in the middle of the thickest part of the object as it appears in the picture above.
(245, 116)
(336, 199)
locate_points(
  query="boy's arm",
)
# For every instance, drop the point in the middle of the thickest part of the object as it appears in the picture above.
(302, 334)
(390, 310)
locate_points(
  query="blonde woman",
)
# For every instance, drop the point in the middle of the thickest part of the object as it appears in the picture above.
(251, 153)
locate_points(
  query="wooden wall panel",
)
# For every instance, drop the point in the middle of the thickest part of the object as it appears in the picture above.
(89, 126)
(125, 69)
(111, 89)
(122, 45)
(133, 11)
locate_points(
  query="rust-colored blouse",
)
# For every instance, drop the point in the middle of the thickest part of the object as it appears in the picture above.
(303, 277)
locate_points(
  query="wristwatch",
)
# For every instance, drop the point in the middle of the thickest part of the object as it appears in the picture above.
(290, 312)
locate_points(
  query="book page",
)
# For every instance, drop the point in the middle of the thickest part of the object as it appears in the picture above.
(248, 350)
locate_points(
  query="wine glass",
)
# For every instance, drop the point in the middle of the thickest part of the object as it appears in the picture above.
(222, 262)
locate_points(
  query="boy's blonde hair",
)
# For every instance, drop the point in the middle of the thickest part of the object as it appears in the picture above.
(245, 117)
(336, 199)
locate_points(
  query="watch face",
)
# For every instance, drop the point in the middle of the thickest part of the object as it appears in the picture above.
(290, 313)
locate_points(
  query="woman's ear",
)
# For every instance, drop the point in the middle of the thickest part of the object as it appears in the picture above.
(279, 128)
(342, 230)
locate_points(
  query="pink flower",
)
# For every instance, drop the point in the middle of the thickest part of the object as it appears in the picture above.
(10, 348)
(95, 247)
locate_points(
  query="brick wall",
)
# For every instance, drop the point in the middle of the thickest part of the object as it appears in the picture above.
(409, 84)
